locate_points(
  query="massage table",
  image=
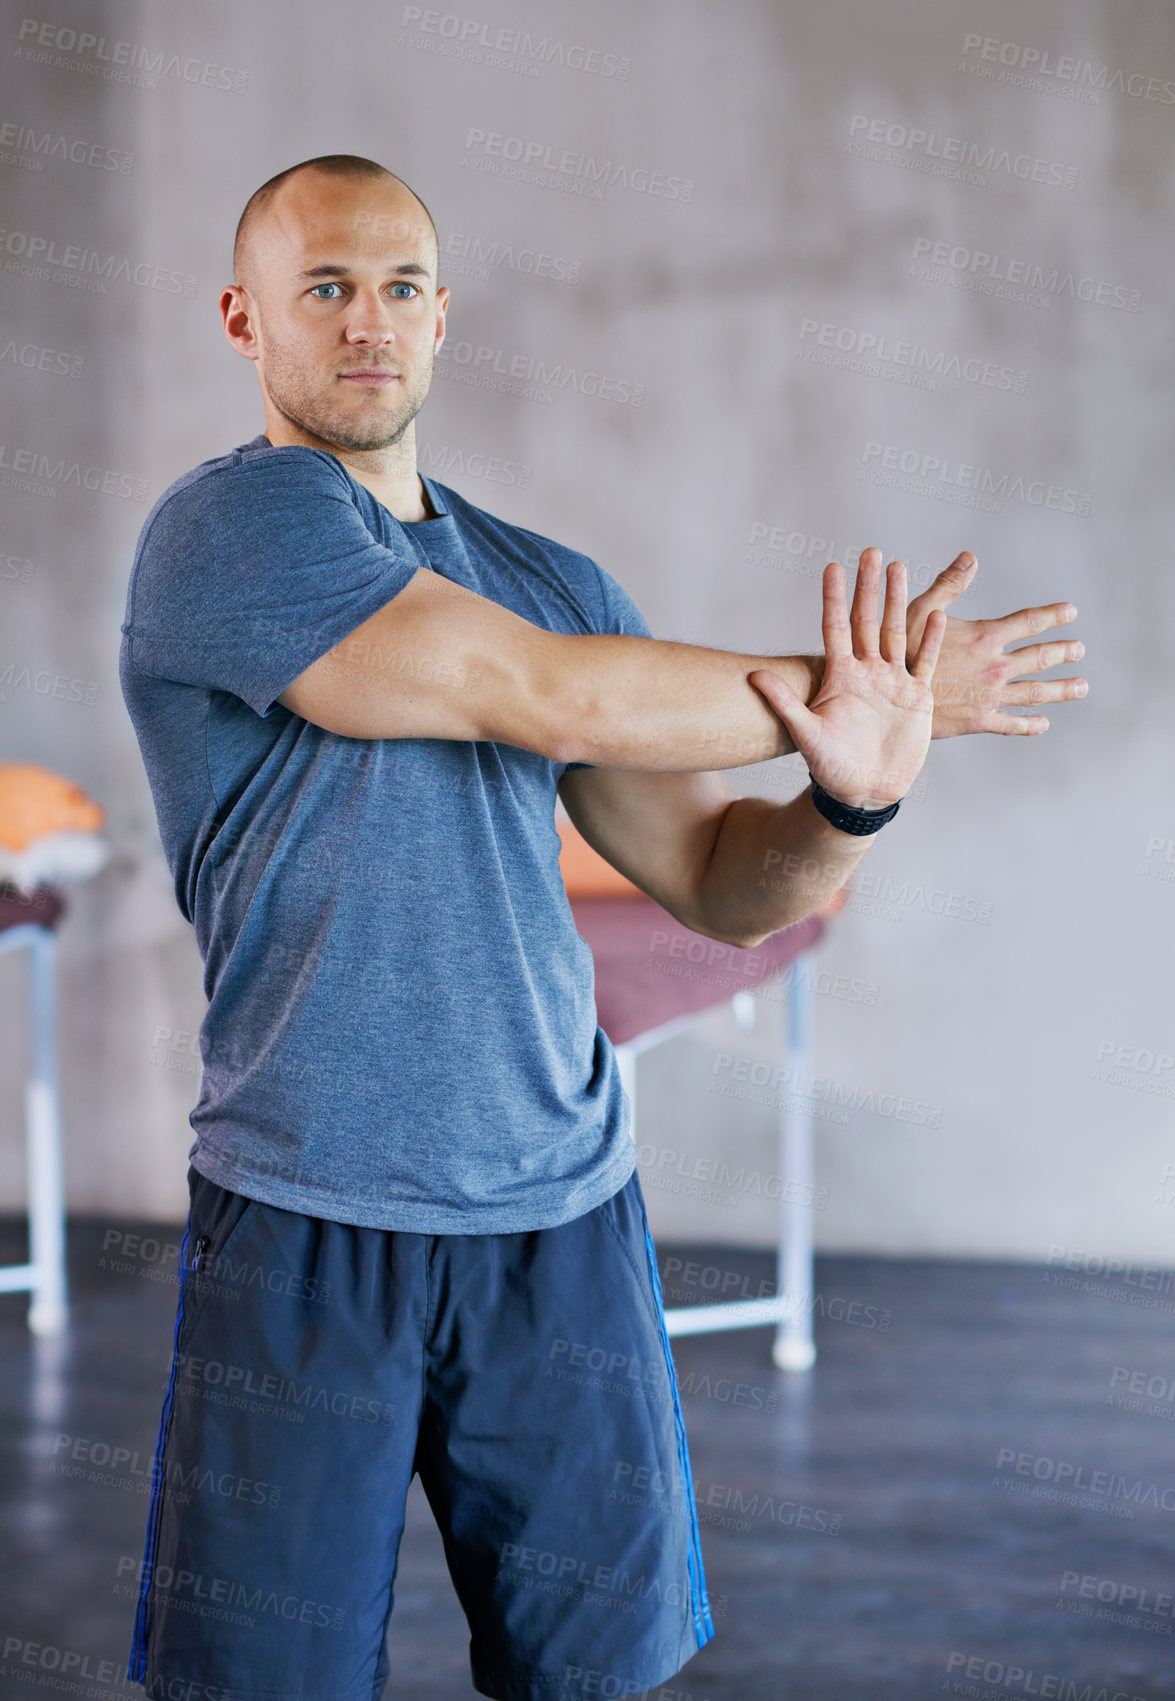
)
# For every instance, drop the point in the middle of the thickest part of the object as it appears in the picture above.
(646, 994)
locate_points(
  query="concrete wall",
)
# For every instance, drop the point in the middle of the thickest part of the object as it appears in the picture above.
(1007, 937)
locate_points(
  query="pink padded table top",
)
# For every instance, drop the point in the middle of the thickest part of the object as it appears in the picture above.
(650, 969)
(43, 906)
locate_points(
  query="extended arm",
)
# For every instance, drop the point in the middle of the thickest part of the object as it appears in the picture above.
(739, 868)
(439, 661)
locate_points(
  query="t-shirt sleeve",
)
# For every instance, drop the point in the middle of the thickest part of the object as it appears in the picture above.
(622, 617)
(245, 577)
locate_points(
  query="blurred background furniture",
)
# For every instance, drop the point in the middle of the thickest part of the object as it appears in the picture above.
(48, 835)
(29, 921)
(642, 1002)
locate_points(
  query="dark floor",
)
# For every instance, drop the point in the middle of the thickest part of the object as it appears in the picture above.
(863, 1535)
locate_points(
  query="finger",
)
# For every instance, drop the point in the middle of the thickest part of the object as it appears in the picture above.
(1036, 658)
(926, 655)
(951, 582)
(1018, 725)
(834, 624)
(1026, 622)
(864, 614)
(1024, 691)
(893, 619)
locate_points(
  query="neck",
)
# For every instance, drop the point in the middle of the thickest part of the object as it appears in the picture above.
(390, 474)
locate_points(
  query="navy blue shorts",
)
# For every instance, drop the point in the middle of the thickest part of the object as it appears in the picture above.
(318, 1366)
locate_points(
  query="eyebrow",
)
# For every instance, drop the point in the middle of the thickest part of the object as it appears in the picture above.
(408, 268)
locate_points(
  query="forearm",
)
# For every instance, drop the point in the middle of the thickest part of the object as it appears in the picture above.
(773, 864)
(624, 702)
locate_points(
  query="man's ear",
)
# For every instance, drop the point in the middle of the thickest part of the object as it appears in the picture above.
(236, 312)
(442, 309)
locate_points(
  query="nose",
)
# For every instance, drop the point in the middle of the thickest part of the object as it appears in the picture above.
(370, 323)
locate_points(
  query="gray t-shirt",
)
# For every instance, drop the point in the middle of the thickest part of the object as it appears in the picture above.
(401, 1029)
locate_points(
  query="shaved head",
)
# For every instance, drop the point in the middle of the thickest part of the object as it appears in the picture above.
(352, 166)
(337, 300)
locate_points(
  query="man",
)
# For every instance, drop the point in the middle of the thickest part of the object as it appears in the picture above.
(417, 1240)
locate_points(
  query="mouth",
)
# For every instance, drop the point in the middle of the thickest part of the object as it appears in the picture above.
(375, 377)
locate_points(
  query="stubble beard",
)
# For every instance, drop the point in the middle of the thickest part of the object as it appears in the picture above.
(311, 410)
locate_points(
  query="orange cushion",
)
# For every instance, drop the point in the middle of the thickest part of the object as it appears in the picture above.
(585, 872)
(35, 802)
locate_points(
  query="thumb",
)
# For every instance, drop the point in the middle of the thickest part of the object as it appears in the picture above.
(787, 703)
(951, 582)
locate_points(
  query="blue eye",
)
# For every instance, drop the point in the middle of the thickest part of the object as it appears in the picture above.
(412, 287)
(317, 287)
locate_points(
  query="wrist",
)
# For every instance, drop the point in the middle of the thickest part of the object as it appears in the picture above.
(853, 818)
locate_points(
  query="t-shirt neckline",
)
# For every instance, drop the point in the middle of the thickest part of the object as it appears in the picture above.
(441, 512)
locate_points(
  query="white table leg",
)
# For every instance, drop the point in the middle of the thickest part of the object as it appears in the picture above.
(794, 1347)
(48, 1311)
(626, 1058)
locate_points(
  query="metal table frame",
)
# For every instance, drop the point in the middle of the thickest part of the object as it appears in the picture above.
(791, 1307)
(44, 1276)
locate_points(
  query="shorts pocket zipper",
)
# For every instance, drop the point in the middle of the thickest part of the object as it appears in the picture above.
(203, 1242)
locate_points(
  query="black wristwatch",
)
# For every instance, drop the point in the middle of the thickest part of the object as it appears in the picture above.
(848, 819)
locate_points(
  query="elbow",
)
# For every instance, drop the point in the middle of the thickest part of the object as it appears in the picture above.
(564, 710)
(740, 939)
(552, 733)
(748, 942)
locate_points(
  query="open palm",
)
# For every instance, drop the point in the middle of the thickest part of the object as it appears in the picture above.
(866, 732)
